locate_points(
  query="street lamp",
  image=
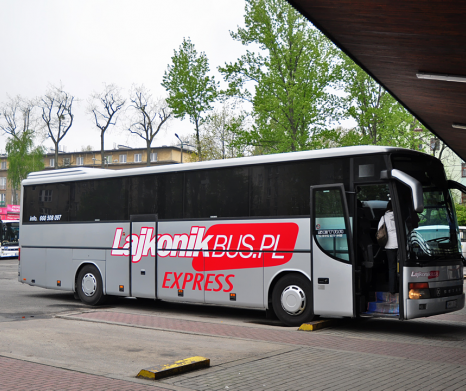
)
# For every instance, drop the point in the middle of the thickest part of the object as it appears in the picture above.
(178, 137)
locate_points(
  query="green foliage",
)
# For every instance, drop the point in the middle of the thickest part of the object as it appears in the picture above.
(380, 119)
(460, 214)
(291, 75)
(23, 158)
(219, 137)
(191, 90)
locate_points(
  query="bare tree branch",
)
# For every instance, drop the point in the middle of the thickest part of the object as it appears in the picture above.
(56, 106)
(148, 116)
(104, 107)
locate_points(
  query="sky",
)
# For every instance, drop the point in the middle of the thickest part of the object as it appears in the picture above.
(86, 43)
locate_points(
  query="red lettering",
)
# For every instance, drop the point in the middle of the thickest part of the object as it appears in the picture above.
(229, 283)
(220, 285)
(166, 279)
(186, 280)
(207, 282)
(197, 281)
(177, 278)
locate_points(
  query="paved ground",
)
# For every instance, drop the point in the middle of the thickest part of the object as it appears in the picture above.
(102, 349)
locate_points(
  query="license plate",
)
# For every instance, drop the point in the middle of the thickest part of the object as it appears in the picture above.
(451, 304)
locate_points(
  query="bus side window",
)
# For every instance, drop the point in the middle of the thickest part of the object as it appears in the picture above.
(330, 227)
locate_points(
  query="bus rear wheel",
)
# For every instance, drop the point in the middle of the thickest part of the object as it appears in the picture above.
(90, 289)
(291, 299)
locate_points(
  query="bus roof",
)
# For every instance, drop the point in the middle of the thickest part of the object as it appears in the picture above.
(85, 173)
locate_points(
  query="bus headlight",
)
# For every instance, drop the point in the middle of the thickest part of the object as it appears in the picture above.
(419, 290)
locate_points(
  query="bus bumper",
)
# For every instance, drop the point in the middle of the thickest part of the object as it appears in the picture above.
(428, 307)
(9, 254)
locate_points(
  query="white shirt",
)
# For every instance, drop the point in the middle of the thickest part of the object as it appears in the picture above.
(392, 242)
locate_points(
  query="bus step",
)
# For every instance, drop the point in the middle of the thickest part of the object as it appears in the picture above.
(385, 303)
(383, 307)
(387, 297)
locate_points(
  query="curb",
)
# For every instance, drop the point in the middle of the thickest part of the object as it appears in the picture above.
(178, 367)
(316, 325)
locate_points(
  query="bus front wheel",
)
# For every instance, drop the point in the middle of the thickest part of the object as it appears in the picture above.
(291, 299)
(90, 286)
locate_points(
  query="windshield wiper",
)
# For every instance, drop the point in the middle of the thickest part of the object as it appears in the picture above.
(438, 239)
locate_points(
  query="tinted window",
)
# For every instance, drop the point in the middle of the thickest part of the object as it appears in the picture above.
(367, 168)
(284, 189)
(143, 195)
(41, 202)
(219, 192)
(330, 225)
(104, 200)
(170, 196)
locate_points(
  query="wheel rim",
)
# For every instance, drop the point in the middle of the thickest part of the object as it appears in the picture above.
(293, 300)
(89, 284)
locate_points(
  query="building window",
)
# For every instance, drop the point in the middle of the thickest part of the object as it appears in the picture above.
(108, 159)
(153, 157)
(66, 161)
(122, 158)
(463, 170)
(3, 165)
(52, 162)
(3, 183)
(138, 158)
(2, 199)
(79, 161)
(45, 196)
(45, 211)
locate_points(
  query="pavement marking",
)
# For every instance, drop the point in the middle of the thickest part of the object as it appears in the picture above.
(316, 325)
(180, 366)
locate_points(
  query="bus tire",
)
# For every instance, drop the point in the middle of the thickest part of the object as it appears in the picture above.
(291, 299)
(89, 283)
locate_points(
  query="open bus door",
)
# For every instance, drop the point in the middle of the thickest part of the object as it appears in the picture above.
(143, 270)
(332, 252)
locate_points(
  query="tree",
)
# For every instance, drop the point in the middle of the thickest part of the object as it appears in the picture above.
(291, 75)
(460, 214)
(148, 116)
(23, 158)
(380, 119)
(191, 90)
(104, 107)
(56, 106)
(219, 137)
(18, 116)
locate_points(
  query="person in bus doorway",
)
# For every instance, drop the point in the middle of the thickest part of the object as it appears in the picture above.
(391, 248)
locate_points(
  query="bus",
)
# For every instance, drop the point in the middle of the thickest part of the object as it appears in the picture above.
(290, 233)
(10, 237)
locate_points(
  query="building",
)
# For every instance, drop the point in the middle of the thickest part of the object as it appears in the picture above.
(121, 157)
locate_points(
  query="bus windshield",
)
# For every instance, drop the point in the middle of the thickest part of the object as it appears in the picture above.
(432, 234)
(10, 233)
(436, 233)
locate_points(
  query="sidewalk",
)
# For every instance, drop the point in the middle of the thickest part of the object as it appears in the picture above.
(21, 375)
(373, 354)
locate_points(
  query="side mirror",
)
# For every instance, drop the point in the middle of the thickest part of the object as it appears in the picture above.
(456, 185)
(414, 184)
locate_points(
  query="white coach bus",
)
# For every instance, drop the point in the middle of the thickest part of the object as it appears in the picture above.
(10, 236)
(290, 233)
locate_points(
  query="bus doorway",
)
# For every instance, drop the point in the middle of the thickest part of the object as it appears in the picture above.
(375, 298)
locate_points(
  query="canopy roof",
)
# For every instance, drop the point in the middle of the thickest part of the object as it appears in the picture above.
(393, 40)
